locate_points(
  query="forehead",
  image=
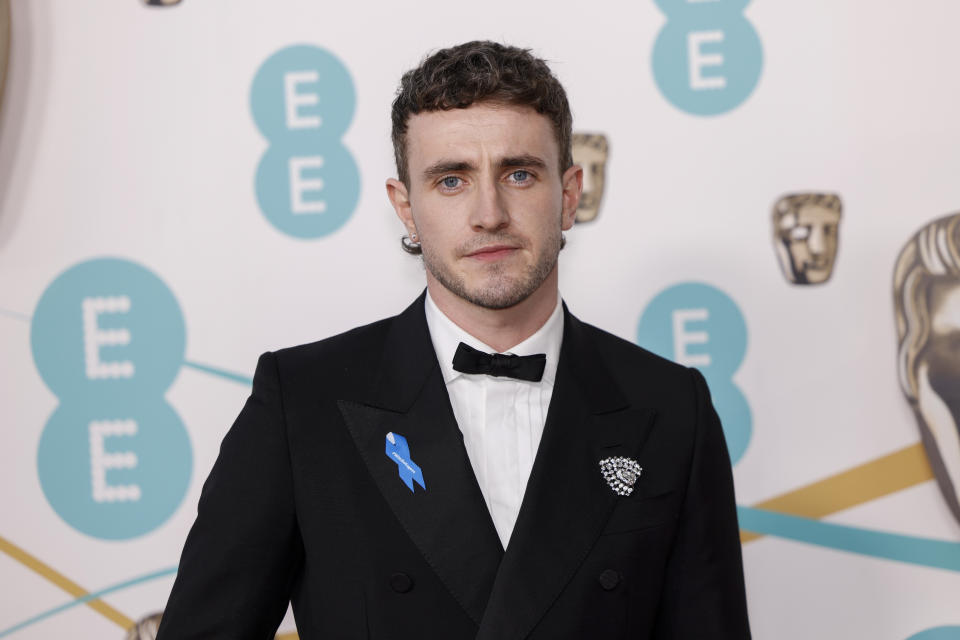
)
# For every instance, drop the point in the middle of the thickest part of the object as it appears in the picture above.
(479, 133)
(816, 213)
(809, 214)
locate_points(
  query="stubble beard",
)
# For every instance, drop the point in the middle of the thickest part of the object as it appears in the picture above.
(499, 289)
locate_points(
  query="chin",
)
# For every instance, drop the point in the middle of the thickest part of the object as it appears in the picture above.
(817, 276)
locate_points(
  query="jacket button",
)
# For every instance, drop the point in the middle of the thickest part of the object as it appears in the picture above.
(401, 582)
(609, 579)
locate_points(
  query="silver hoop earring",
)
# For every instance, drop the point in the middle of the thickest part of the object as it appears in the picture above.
(410, 244)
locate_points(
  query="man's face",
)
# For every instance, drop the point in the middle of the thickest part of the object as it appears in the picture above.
(809, 236)
(486, 201)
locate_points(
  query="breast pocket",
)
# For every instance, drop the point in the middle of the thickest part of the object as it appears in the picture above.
(643, 512)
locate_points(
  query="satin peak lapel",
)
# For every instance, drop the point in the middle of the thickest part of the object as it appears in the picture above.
(448, 520)
(567, 501)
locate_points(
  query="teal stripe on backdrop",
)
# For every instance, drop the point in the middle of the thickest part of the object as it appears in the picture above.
(16, 315)
(87, 598)
(220, 373)
(941, 554)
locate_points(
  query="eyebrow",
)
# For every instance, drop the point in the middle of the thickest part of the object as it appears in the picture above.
(525, 160)
(442, 167)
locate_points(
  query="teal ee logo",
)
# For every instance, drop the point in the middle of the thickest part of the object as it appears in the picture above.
(108, 339)
(700, 326)
(707, 58)
(939, 633)
(302, 101)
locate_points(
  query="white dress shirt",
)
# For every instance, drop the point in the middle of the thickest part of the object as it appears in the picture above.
(501, 418)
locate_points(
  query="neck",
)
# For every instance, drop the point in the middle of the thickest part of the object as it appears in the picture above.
(499, 328)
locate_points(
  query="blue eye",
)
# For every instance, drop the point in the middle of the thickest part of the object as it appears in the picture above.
(450, 182)
(520, 175)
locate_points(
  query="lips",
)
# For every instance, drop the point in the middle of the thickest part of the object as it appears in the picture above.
(492, 252)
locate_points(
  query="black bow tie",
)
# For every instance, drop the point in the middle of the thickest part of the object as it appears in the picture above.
(469, 360)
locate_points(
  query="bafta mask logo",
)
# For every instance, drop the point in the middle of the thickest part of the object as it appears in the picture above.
(590, 152)
(926, 300)
(806, 230)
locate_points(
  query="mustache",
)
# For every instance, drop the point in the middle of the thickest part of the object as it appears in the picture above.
(489, 239)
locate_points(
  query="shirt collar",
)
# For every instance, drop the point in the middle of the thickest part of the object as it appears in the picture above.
(446, 336)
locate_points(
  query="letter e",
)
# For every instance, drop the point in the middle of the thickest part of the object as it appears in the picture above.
(94, 337)
(697, 60)
(682, 337)
(101, 461)
(294, 100)
(299, 184)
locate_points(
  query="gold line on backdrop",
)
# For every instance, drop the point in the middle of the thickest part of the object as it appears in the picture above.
(65, 583)
(893, 472)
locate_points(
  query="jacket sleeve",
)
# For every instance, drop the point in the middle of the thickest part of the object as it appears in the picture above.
(703, 594)
(244, 550)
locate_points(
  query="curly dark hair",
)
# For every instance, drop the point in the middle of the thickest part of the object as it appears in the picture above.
(480, 71)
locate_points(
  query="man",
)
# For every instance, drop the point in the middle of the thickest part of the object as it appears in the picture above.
(395, 483)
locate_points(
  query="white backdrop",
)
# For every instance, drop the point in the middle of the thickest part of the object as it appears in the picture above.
(128, 132)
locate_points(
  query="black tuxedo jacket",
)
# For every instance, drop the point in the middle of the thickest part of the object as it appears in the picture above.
(304, 505)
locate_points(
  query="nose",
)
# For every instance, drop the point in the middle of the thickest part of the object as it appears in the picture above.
(489, 211)
(817, 241)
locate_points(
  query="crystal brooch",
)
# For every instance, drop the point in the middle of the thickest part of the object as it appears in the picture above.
(620, 473)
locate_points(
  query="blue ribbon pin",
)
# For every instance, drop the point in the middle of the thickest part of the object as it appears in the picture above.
(399, 452)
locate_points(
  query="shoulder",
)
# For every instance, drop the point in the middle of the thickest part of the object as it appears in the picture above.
(643, 376)
(620, 354)
(347, 360)
(357, 342)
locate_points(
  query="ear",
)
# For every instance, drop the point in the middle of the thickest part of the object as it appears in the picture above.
(400, 199)
(572, 181)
